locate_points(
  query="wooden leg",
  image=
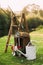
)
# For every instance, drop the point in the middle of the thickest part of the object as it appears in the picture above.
(9, 35)
(15, 40)
(7, 42)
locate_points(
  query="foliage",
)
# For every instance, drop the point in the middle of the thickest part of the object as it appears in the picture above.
(35, 12)
(39, 27)
(34, 23)
(4, 23)
(41, 13)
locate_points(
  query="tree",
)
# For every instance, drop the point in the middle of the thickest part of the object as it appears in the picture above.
(4, 22)
(41, 13)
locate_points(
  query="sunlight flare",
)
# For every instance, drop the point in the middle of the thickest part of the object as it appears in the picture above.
(18, 5)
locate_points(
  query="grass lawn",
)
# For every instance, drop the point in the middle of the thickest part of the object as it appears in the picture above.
(8, 59)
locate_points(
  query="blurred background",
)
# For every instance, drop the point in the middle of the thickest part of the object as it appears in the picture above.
(32, 9)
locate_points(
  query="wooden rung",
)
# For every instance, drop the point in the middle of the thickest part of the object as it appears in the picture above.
(8, 44)
(14, 25)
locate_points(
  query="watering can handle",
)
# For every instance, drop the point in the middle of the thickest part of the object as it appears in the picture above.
(31, 42)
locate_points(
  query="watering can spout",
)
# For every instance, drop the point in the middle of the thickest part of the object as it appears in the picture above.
(22, 53)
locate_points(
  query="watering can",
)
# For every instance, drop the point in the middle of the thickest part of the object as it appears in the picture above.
(30, 52)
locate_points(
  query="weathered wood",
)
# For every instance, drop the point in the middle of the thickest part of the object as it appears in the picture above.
(23, 21)
(9, 34)
(13, 24)
(24, 37)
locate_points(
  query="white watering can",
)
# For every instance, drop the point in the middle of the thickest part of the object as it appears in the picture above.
(30, 52)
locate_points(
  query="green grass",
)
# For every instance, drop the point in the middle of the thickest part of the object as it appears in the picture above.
(8, 59)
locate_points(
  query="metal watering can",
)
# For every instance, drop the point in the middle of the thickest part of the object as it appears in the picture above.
(30, 52)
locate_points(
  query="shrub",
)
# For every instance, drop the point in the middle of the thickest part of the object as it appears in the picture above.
(4, 23)
(33, 23)
(39, 27)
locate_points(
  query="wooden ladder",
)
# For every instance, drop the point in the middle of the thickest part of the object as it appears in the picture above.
(10, 32)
